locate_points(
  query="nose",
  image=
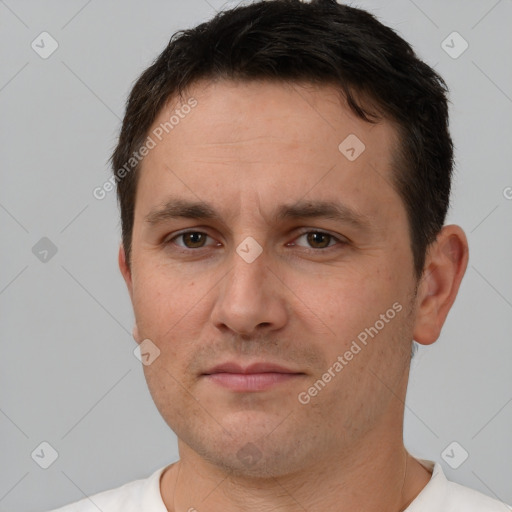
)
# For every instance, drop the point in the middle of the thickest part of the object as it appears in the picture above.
(251, 297)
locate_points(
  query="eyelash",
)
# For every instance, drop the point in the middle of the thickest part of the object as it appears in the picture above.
(340, 242)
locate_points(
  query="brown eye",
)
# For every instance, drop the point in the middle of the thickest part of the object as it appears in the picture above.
(188, 240)
(315, 241)
(318, 239)
(193, 239)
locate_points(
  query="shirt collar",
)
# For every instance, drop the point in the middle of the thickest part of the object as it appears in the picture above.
(433, 495)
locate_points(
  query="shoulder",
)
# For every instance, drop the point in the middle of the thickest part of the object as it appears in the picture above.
(465, 499)
(443, 495)
(132, 496)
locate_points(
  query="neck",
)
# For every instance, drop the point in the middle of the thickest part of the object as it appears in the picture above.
(379, 476)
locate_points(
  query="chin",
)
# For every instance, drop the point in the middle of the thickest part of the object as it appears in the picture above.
(253, 460)
(250, 444)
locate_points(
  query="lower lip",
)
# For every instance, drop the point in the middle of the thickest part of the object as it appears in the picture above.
(251, 381)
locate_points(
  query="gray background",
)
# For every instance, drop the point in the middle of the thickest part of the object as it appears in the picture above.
(68, 375)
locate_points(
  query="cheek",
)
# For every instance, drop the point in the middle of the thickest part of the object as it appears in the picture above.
(364, 313)
(351, 301)
(161, 301)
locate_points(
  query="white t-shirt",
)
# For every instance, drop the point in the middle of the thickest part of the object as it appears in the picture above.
(439, 495)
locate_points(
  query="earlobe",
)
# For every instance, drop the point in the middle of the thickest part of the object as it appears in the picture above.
(135, 333)
(445, 265)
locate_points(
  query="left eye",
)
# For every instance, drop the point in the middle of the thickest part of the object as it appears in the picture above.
(319, 239)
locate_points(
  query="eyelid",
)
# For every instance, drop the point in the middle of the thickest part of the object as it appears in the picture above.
(339, 238)
(168, 240)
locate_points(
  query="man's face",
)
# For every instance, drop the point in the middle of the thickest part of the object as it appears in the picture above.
(264, 282)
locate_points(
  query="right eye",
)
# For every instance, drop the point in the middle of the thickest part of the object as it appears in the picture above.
(191, 240)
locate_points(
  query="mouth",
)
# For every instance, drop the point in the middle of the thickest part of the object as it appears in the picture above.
(255, 377)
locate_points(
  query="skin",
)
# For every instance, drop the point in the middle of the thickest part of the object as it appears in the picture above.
(245, 149)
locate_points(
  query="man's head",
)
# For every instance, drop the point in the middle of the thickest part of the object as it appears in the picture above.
(295, 178)
(320, 42)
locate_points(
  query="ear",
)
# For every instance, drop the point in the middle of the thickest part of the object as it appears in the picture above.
(125, 270)
(127, 275)
(445, 265)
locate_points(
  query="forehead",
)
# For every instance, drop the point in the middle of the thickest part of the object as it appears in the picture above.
(253, 140)
(230, 112)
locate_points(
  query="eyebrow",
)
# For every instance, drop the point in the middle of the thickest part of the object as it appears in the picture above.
(180, 208)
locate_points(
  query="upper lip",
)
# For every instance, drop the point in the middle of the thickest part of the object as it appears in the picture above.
(262, 367)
